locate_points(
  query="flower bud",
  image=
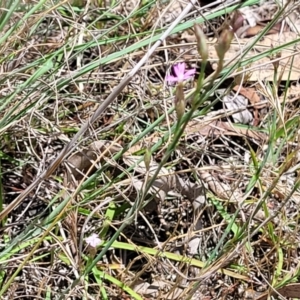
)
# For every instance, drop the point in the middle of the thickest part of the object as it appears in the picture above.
(237, 21)
(179, 101)
(201, 42)
(224, 43)
(147, 158)
(276, 62)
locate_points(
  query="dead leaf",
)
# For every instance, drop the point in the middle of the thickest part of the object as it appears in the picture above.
(252, 96)
(194, 246)
(263, 69)
(206, 127)
(193, 191)
(250, 294)
(161, 185)
(254, 15)
(81, 162)
(222, 190)
(289, 291)
(218, 128)
(157, 289)
(165, 182)
(252, 31)
(239, 103)
(292, 93)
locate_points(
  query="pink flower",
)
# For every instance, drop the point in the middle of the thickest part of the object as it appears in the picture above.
(180, 73)
(93, 240)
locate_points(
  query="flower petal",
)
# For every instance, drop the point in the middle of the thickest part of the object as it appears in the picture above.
(179, 70)
(180, 73)
(188, 74)
(93, 240)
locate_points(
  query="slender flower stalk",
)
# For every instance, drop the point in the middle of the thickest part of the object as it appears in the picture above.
(179, 101)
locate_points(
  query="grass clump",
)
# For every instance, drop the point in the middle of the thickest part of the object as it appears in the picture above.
(134, 163)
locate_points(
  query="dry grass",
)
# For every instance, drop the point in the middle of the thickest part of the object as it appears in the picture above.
(205, 207)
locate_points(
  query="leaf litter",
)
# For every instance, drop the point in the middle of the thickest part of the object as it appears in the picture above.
(206, 180)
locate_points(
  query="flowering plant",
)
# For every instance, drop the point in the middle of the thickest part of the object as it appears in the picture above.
(180, 73)
(93, 240)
